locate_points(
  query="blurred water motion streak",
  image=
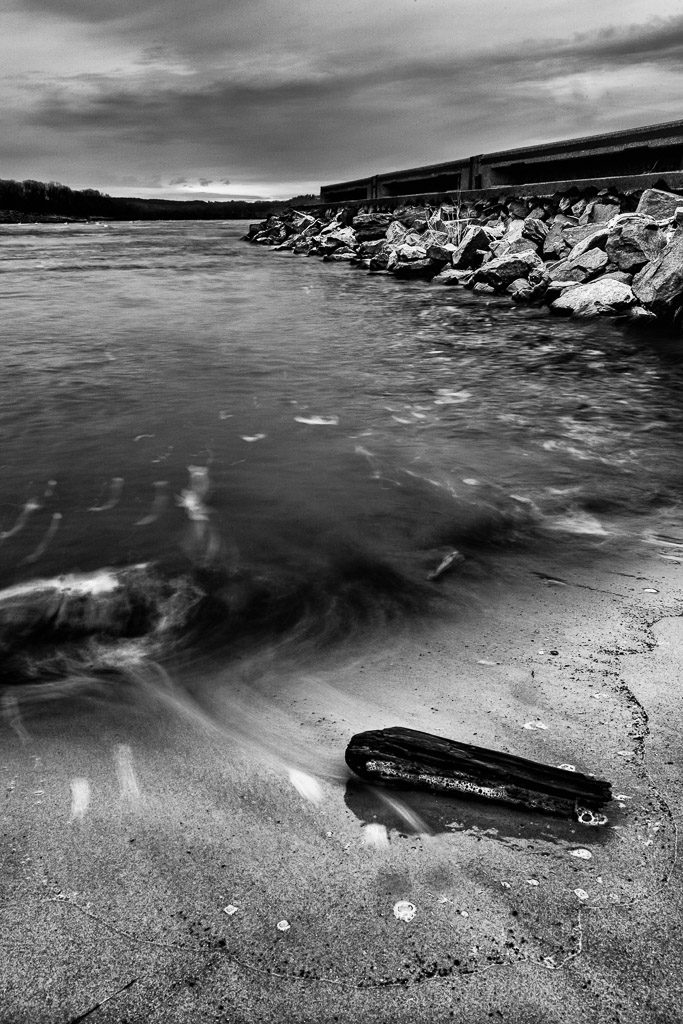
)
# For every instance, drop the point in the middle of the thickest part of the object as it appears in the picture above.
(401, 432)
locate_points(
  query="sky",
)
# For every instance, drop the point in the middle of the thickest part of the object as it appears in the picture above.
(222, 99)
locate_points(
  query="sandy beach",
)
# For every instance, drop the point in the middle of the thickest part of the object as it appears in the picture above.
(129, 827)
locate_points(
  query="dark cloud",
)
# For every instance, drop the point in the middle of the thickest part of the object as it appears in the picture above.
(337, 116)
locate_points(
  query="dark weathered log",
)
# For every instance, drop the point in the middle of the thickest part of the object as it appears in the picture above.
(406, 757)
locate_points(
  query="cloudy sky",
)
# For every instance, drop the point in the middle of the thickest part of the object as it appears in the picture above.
(232, 98)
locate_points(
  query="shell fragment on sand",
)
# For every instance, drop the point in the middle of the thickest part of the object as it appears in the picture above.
(404, 910)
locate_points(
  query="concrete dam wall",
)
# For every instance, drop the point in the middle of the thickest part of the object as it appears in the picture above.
(636, 157)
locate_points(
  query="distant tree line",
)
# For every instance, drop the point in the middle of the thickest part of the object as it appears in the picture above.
(46, 201)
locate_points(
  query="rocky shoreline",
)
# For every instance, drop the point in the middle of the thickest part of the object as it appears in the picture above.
(606, 254)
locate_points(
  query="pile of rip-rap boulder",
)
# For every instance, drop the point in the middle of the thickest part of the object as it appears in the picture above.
(610, 253)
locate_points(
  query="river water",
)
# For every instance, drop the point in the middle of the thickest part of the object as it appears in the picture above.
(299, 443)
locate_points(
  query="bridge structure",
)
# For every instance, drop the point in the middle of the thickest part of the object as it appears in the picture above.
(631, 158)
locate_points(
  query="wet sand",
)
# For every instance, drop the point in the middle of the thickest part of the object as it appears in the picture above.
(128, 829)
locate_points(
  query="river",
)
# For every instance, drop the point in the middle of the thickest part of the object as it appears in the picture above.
(302, 444)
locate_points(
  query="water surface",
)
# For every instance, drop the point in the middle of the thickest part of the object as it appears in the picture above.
(304, 442)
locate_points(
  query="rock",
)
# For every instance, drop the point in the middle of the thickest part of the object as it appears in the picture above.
(396, 232)
(483, 289)
(300, 221)
(520, 290)
(439, 220)
(594, 260)
(371, 248)
(333, 225)
(597, 239)
(658, 205)
(678, 217)
(575, 233)
(641, 316)
(635, 241)
(618, 275)
(502, 271)
(343, 236)
(555, 244)
(407, 253)
(441, 252)
(517, 208)
(413, 217)
(456, 229)
(450, 276)
(565, 271)
(303, 247)
(584, 267)
(579, 207)
(601, 213)
(421, 268)
(535, 230)
(371, 226)
(556, 288)
(432, 236)
(659, 285)
(474, 239)
(595, 298)
(495, 228)
(514, 234)
(380, 259)
(313, 229)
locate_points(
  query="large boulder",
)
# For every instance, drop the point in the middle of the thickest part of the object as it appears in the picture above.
(513, 240)
(407, 253)
(604, 296)
(597, 239)
(313, 229)
(413, 217)
(341, 236)
(396, 232)
(635, 241)
(423, 268)
(380, 258)
(502, 270)
(600, 213)
(582, 268)
(659, 285)
(442, 252)
(298, 222)
(658, 205)
(535, 230)
(450, 277)
(555, 244)
(371, 226)
(474, 240)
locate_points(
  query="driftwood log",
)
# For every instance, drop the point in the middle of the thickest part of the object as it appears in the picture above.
(406, 757)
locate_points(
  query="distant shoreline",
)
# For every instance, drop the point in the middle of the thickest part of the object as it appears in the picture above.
(39, 202)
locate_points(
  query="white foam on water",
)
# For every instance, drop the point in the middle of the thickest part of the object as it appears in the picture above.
(102, 581)
(318, 421)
